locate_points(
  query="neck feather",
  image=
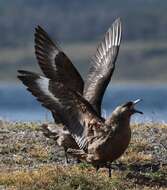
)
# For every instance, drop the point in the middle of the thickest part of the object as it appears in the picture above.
(118, 121)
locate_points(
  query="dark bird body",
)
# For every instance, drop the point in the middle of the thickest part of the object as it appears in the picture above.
(77, 106)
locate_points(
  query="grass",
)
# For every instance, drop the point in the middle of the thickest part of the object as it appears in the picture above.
(58, 177)
(38, 164)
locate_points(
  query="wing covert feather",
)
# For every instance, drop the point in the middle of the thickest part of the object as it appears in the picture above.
(73, 110)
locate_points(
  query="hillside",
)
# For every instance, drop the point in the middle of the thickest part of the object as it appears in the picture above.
(79, 26)
(137, 61)
(78, 20)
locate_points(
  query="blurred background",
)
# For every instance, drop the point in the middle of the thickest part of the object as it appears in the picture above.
(78, 26)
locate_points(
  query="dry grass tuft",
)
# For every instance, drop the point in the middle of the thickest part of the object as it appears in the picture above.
(29, 161)
(38, 152)
(59, 177)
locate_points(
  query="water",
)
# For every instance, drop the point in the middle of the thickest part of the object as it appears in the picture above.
(17, 104)
(154, 104)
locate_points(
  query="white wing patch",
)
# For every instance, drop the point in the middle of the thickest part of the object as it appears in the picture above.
(53, 55)
(43, 84)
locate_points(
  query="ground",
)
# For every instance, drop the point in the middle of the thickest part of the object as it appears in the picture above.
(30, 161)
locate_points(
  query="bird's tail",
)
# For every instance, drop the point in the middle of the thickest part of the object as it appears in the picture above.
(48, 133)
(80, 154)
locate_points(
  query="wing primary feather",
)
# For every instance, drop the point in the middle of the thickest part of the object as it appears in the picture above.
(54, 63)
(102, 67)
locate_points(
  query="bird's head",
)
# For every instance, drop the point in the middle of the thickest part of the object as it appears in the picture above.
(127, 109)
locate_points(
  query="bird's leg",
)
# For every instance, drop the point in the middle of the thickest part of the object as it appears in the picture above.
(109, 170)
(66, 156)
(97, 168)
(78, 161)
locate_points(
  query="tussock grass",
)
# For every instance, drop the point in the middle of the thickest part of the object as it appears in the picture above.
(58, 177)
(62, 178)
(29, 161)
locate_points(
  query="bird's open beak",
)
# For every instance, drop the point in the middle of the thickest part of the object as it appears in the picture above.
(134, 103)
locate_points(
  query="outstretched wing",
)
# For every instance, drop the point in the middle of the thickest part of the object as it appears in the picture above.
(54, 63)
(74, 111)
(39, 85)
(103, 64)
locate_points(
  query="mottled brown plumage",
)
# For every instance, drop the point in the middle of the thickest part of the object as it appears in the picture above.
(99, 141)
(78, 108)
(57, 66)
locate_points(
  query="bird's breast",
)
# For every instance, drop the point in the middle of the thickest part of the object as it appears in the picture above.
(116, 145)
(110, 149)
